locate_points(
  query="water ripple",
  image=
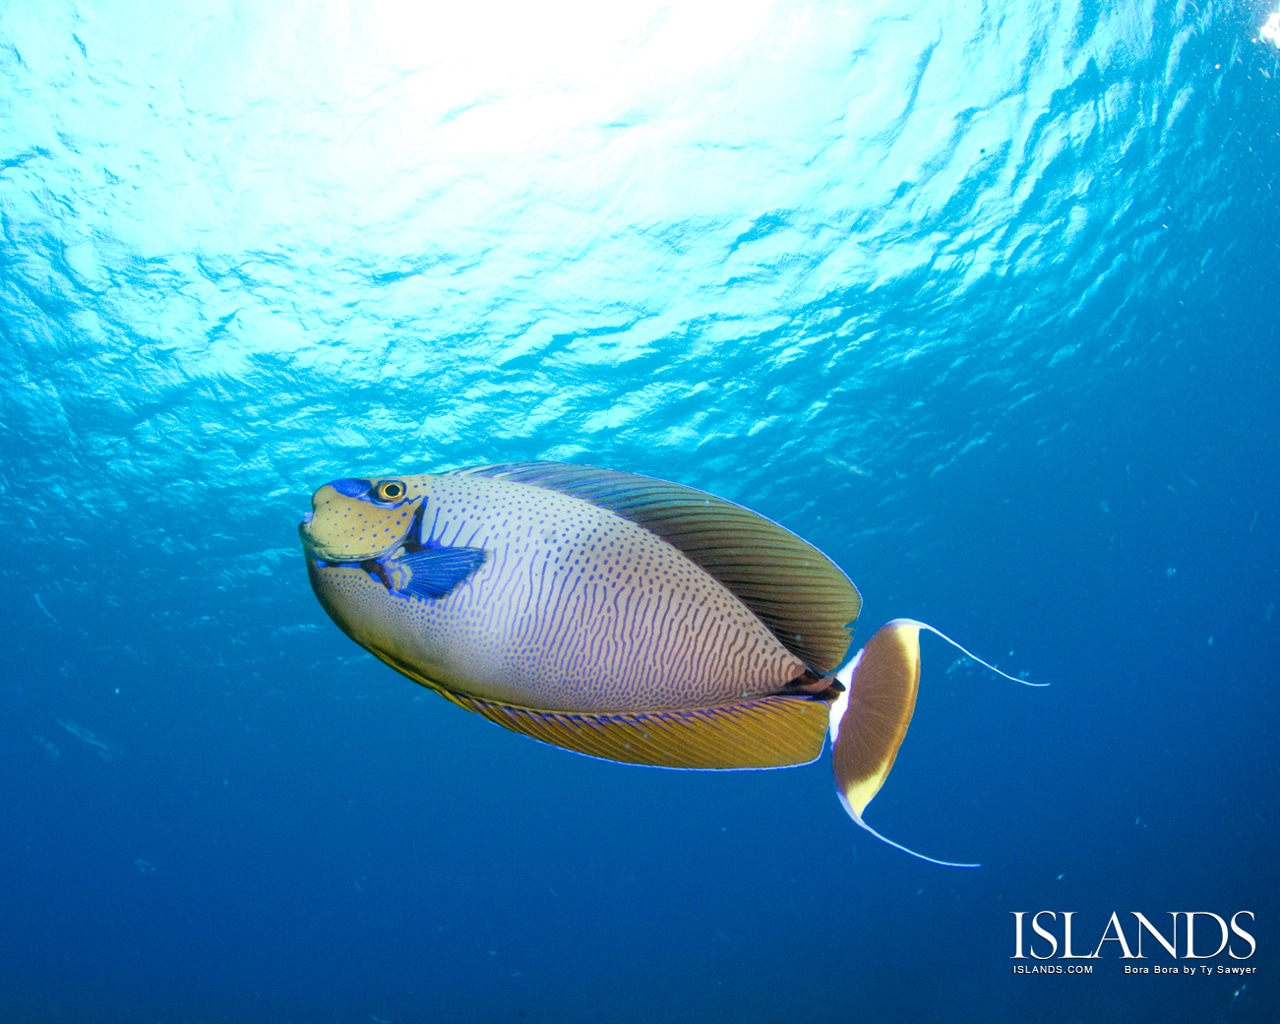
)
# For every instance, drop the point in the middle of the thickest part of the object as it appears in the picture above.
(243, 258)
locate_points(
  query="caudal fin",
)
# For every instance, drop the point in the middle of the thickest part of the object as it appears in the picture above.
(869, 720)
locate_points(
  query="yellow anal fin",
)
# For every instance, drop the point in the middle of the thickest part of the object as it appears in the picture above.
(882, 698)
(764, 732)
(768, 732)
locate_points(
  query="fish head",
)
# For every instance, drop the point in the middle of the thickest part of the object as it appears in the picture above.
(376, 570)
(356, 520)
(350, 540)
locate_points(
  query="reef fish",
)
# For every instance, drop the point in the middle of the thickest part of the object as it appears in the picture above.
(615, 615)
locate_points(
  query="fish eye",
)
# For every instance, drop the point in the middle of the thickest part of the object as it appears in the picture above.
(389, 490)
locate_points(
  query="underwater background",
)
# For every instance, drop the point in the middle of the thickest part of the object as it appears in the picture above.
(980, 298)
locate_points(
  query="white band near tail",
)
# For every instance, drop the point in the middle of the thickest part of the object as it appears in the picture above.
(869, 719)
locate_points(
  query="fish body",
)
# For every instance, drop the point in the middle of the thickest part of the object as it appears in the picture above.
(615, 615)
(551, 602)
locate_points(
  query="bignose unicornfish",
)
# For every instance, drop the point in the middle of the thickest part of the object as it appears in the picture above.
(618, 616)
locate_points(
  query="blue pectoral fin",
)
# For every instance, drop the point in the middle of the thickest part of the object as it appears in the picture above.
(434, 572)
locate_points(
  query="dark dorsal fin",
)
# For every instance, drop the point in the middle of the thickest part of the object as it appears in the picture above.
(791, 586)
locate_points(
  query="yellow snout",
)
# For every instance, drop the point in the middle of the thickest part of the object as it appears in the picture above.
(346, 529)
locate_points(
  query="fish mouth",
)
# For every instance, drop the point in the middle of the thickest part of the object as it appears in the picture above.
(304, 535)
(317, 558)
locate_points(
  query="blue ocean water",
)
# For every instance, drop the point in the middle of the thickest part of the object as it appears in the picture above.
(980, 298)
